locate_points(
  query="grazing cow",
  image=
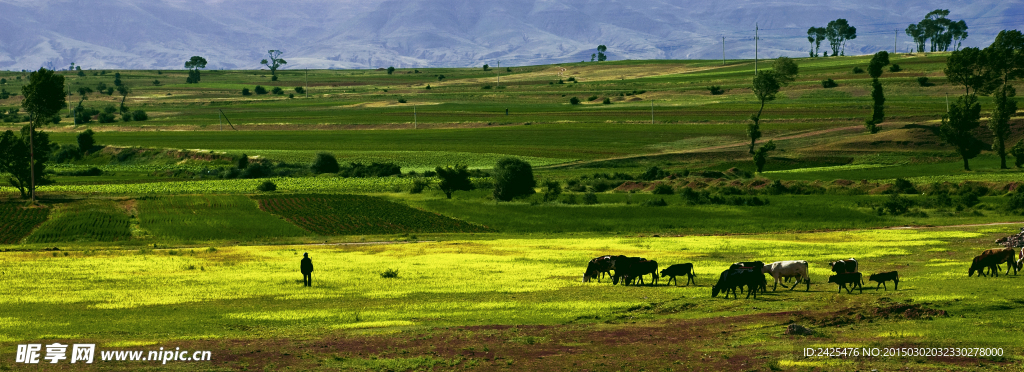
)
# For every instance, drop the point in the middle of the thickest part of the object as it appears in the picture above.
(598, 267)
(881, 278)
(788, 269)
(757, 266)
(844, 266)
(680, 270)
(992, 258)
(637, 271)
(732, 278)
(854, 279)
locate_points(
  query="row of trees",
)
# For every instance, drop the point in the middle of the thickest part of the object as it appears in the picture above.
(837, 32)
(942, 32)
(984, 71)
(513, 178)
(196, 63)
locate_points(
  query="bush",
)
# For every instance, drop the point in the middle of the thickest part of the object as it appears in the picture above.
(570, 199)
(589, 198)
(66, 153)
(923, 81)
(256, 170)
(418, 186)
(290, 95)
(260, 89)
(652, 173)
(858, 70)
(513, 178)
(1016, 202)
(902, 186)
(486, 87)
(324, 163)
(300, 90)
(267, 186)
(552, 189)
(389, 274)
(156, 82)
(574, 101)
(139, 115)
(402, 100)
(663, 189)
(655, 203)
(716, 90)
(897, 205)
(591, 98)
(360, 170)
(572, 79)
(895, 68)
(277, 90)
(246, 92)
(607, 101)
(829, 83)
(107, 118)
(273, 78)
(86, 141)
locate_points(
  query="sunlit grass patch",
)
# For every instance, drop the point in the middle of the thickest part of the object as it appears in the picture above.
(89, 220)
(377, 324)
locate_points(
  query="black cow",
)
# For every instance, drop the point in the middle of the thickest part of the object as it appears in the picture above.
(680, 270)
(854, 279)
(732, 278)
(881, 278)
(757, 266)
(844, 266)
(598, 267)
(636, 270)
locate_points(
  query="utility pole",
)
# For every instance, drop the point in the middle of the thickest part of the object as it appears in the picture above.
(723, 50)
(755, 48)
(895, 34)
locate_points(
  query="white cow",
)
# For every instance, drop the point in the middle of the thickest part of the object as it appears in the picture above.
(788, 269)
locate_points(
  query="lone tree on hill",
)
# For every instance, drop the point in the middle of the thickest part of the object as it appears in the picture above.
(880, 60)
(193, 65)
(391, 70)
(1005, 58)
(838, 32)
(815, 35)
(767, 84)
(44, 98)
(274, 62)
(513, 178)
(601, 57)
(453, 179)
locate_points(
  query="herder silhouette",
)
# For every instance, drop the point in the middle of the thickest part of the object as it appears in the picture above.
(307, 270)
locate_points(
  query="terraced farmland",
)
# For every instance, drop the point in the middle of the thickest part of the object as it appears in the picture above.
(84, 221)
(358, 214)
(198, 218)
(18, 221)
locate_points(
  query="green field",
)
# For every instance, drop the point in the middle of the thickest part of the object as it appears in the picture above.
(168, 242)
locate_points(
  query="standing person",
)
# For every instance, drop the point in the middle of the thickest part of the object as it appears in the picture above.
(306, 267)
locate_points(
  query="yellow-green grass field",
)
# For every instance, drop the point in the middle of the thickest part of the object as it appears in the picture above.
(221, 296)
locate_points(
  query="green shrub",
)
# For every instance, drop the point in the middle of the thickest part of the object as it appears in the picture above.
(858, 70)
(402, 100)
(923, 81)
(260, 89)
(570, 199)
(107, 118)
(300, 90)
(552, 190)
(574, 101)
(488, 86)
(273, 78)
(655, 203)
(829, 83)
(716, 90)
(513, 178)
(86, 141)
(902, 186)
(418, 186)
(591, 98)
(139, 115)
(895, 68)
(246, 92)
(663, 189)
(325, 163)
(652, 173)
(607, 101)
(897, 205)
(267, 186)
(277, 90)
(589, 198)
(389, 274)
(1015, 204)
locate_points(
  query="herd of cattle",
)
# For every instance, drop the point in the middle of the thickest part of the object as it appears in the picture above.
(739, 275)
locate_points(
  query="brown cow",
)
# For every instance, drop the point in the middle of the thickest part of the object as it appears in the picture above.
(992, 258)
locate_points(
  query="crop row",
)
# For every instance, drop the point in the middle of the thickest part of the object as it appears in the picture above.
(19, 221)
(357, 214)
(222, 217)
(93, 220)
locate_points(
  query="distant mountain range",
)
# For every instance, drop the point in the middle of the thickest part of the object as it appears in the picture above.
(235, 34)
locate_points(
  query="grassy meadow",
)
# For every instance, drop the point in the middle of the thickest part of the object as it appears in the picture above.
(157, 237)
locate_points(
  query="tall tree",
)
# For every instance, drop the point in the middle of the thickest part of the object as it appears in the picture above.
(1005, 59)
(601, 57)
(766, 86)
(838, 32)
(44, 98)
(513, 178)
(761, 156)
(16, 155)
(124, 91)
(969, 67)
(880, 60)
(453, 179)
(917, 33)
(274, 62)
(193, 65)
(963, 117)
(815, 35)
